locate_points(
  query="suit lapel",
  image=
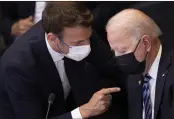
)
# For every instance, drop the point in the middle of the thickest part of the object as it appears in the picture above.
(76, 75)
(135, 90)
(162, 74)
(51, 82)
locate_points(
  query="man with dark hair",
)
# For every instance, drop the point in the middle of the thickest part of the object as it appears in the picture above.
(19, 16)
(51, 58)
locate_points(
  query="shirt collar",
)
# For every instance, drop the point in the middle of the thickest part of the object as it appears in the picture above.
(55, 55)
(154, 68)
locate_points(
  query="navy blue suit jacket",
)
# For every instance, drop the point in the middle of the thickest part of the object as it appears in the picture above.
(164, 101)
(28, 76)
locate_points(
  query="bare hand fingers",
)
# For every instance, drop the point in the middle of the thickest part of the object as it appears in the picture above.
(107, 97)
(109, 90)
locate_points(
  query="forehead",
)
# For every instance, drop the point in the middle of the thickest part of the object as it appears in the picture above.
(77, 32)
(118, 38)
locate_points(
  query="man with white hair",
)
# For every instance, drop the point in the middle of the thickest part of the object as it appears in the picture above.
(134, 37)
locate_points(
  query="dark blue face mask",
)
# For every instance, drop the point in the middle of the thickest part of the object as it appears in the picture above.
(128, 63)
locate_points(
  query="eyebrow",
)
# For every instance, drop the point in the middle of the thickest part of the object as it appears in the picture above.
(80, 41)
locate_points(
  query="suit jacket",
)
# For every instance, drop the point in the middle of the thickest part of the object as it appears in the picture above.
(164, 90)
(28, 76)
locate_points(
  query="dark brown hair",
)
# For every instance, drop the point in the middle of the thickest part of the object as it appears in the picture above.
(56, 17)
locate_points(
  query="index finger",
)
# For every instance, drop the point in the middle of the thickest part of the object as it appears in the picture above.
(110, 90)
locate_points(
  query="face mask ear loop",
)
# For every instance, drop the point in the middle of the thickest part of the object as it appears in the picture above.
(60, 50)
(146, 56)
(58, 45)
(60, 38)
(65, 43)
(137, 45)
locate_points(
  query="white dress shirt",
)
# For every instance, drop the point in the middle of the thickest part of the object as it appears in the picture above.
(152, 83)
(39, 7)
(59, 63)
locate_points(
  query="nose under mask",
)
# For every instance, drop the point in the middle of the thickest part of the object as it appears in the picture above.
(129, 64)
(78, 53)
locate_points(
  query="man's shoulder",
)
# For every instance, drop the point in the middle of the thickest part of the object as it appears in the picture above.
(20, 52)
(169, 52)
(34, 33)
(17, 58)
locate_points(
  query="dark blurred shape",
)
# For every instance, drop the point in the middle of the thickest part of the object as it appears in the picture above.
(2, 43)
(104, 11)
(162, 13)
(11, 13)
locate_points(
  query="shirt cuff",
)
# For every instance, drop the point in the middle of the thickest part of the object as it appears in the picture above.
(76, 114)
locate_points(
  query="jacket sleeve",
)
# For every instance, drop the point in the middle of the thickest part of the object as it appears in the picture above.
(64, 116)
(104, 60)
(22, 92)
(102, 57)
(100, 52)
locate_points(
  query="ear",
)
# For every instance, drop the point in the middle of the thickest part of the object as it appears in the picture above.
(52, 38)
(147, 42)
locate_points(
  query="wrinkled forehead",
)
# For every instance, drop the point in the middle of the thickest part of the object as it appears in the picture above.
(120, 39)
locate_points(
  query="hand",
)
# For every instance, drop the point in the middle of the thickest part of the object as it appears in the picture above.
(99, 103)
(23, 25)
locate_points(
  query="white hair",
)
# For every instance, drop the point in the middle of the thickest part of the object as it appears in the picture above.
(134, 23)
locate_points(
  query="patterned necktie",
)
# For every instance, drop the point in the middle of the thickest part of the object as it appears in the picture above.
(146, 97)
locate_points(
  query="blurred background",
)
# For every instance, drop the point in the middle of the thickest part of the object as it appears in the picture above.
(14, 14)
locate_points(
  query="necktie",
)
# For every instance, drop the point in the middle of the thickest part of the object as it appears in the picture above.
(146, 97)
(64, 79)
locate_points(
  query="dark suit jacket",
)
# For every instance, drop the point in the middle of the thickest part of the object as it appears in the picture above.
(28, 76)
(164, 90)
